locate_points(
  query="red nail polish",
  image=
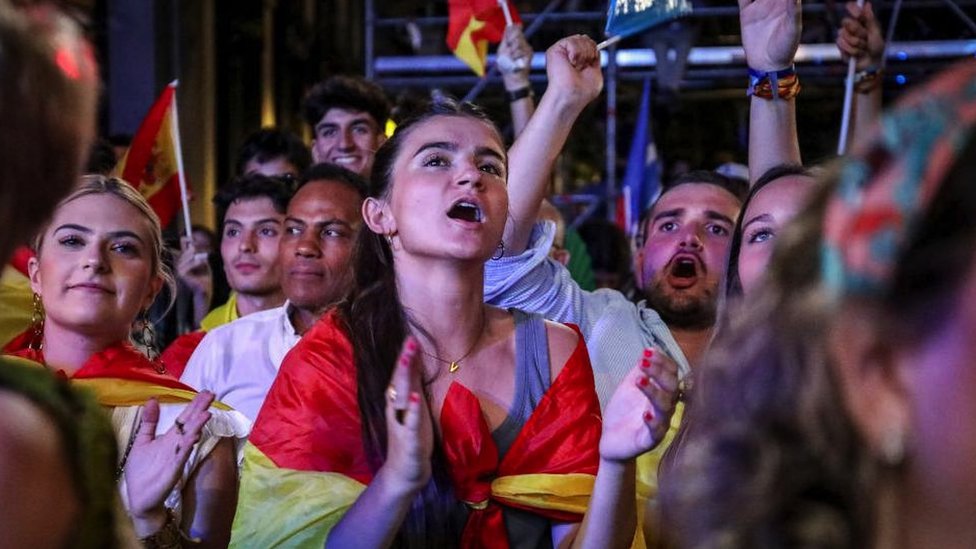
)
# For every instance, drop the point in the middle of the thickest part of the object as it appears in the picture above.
(648, 416)
(648, 353)
(645, 363)
(411, 345)
(644, 382)
(414, 397)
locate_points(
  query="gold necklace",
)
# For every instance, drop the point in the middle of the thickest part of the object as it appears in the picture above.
(455, 365)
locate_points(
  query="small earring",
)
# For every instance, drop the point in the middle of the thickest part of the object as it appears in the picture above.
(893, 446)
(36, 324)
(499, 251)
(149, 342)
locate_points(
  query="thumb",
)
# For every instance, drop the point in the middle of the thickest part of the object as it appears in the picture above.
(147, 424)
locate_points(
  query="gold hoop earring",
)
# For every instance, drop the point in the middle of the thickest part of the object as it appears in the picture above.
(36, 324)
(149, 342)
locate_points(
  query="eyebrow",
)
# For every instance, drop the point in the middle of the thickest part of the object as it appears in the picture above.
(86, 230)
(712, 214)
(676, 212)
(323, 223)
(453, 147)
(667, 213)
(761, 217)
(355, 121)
(258, 222)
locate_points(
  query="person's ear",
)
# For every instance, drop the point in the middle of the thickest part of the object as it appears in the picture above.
(562, 255)
(639, 267)
(34, 274)
(378, 217)
(870, 382)
(155, 285)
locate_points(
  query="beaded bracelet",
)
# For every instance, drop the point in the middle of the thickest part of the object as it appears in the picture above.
(785, 82)
(868, 80)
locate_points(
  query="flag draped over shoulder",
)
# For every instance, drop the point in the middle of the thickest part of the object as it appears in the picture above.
(305, 463)
(472, 24)
(642, 180)
(628, 17)
(151, 165)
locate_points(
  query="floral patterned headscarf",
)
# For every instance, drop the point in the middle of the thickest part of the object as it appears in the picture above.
(888, 185)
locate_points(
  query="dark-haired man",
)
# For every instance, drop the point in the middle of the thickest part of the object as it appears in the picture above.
(239, 361)
(271, 151)
(348, 116)
(251, 215)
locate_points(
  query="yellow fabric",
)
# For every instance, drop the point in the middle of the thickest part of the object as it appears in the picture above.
(648, 519)
(224, 314)
(281, 507)
(15, 304)
(473, 53)
(570, 492)
(127, 392)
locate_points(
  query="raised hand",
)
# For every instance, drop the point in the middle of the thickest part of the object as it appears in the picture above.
(514, 58)
(410, 434)
(573, 70)
(193, 268)
(860, 36)
(639, 413)
(154, 464)
(770, 32)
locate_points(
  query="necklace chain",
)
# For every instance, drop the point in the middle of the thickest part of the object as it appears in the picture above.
(455, 365)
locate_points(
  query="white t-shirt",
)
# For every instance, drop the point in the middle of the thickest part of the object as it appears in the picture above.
(239, 361)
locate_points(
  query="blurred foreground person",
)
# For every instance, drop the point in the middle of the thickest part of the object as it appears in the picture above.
(838, 409)
(57, 452)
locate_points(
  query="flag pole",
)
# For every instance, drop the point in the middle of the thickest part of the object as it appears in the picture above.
(507, 12)
(181, 175)
(609, 42)
(845, 121)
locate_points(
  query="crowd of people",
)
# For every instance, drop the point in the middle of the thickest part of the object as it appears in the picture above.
(406, 356)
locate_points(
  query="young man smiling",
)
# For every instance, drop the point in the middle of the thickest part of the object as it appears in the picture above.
(348, 116)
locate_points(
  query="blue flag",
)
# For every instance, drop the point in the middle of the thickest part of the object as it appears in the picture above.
(629, 17)
(642, 180)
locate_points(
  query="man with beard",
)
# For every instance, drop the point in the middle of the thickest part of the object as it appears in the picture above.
(679, 266)
(239, 361)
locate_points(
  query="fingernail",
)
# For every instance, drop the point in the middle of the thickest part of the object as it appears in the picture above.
(648, 353)
(645, 363)
(411, 345)
(414, 397)
(644, 382)
(648, 416)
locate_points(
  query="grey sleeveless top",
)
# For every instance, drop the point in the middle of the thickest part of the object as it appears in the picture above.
(526, 530)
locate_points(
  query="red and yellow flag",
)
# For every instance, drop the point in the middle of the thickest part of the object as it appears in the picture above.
(472, 24)
(152, 164)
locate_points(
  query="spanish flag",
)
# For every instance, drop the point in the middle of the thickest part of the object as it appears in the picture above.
(152, 165)
(472, 24)
(305, 464)
(16, 303)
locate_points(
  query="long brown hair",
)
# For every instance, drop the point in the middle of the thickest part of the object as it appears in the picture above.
(377, 325)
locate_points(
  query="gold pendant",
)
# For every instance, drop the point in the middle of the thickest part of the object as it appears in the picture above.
(454, 367)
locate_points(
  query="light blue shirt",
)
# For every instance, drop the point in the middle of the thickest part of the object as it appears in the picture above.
(615, 329)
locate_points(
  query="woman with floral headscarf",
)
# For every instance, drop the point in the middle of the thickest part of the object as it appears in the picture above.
(839, 408)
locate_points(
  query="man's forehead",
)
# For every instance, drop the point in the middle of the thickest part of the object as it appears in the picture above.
(696, 197)
(324, 194)
(340, 115)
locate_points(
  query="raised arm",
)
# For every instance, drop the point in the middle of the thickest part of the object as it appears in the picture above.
(770, 37)
(860, 37)
(515, 62)
(573, 68)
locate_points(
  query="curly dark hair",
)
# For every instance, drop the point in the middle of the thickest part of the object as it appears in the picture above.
(346, 92)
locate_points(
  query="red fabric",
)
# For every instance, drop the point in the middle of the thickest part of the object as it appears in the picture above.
(119, 361)
(460, 13)
(561, 436)
(310, 418)
(175, 357)
(20, 258)
(310, 421)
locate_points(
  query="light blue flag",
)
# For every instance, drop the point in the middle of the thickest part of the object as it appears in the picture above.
(629, 17)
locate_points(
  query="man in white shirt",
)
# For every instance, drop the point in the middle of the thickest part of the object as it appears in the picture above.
(239, 361)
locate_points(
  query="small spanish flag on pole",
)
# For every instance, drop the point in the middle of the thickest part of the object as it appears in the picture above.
(154, 162)
(473, 24)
